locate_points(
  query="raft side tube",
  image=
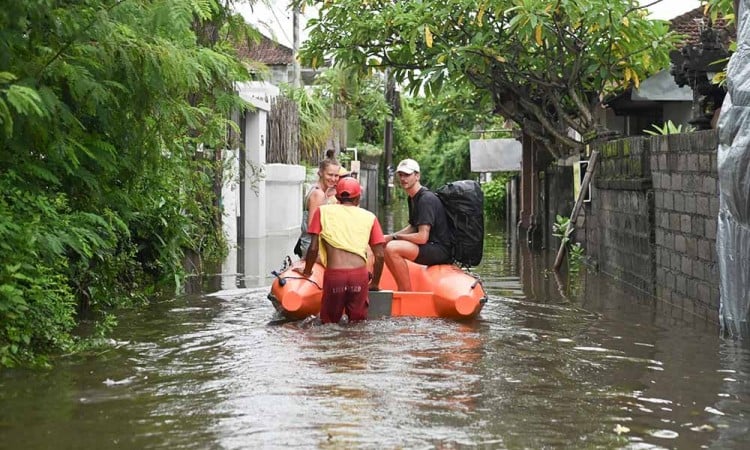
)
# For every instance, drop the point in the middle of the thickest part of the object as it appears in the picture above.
(456, 297)
(296, 296)
(414, 304)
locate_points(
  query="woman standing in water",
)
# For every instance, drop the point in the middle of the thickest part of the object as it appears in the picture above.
(323, 192)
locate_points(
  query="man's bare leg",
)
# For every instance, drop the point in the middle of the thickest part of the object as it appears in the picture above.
(396, 255)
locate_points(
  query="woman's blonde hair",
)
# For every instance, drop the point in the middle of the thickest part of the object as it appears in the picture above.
(324, 164)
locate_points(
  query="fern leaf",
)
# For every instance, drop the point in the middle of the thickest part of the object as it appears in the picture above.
(7, 77)
(42, 173)
(203, 8)
(25, 100)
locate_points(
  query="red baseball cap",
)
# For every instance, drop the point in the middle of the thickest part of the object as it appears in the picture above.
(348, 188)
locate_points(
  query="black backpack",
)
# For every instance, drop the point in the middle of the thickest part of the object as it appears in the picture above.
(464, 206)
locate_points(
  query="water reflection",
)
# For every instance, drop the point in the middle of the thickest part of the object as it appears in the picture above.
(247, 265)
(257, 258)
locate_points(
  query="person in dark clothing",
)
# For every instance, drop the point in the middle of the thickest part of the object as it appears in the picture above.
(427, 238)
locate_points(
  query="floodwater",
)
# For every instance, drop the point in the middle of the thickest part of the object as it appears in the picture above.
(549, 364)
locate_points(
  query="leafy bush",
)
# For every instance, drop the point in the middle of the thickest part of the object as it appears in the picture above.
(668, 128)
(37, 304)
(449, 163)
(495, 195)
(563, 229)
(103, 190)
(315, 123)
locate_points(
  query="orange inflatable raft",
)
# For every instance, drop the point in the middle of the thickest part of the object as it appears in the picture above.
(439, 291)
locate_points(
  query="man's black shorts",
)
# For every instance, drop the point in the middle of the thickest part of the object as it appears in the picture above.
(433, 253)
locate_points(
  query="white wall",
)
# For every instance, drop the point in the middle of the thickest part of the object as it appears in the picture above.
(284, 184)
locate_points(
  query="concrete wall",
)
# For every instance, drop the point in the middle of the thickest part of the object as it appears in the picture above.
(652, 219)
(283, 212)
(271, 193)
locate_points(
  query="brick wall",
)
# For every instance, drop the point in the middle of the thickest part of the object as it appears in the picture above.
(652, 220)
(619, 219)
(686, 200)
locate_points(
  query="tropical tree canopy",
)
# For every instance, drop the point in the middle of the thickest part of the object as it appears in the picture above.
(362, 97)
(543, 64)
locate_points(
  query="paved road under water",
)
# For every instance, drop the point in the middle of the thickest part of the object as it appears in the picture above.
(547, 365)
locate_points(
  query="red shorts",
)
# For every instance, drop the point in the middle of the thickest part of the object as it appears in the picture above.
(345, 289)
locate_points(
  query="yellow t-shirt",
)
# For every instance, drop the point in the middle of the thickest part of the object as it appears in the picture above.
(345, 227)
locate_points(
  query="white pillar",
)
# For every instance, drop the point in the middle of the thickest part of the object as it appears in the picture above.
(259, 95)
(255, 160)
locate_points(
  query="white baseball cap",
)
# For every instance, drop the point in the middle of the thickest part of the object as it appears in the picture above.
(408, 166)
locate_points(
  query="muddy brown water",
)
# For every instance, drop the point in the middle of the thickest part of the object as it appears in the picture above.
(549, 364)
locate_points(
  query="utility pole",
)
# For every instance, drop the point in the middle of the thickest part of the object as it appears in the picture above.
(390, 90)
(296, 77)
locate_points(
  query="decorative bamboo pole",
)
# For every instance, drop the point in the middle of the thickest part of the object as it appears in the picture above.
(577, 208)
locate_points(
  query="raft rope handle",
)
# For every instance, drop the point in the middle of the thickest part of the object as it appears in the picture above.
(303, 278)
(282, 281)
(478, 281)
(476, 277)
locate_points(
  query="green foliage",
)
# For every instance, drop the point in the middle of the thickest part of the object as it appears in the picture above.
(542, 64)
(354, 132)
(717, 8)
(412, 133)
(362, 97)
(668, 128)
(495, 194)
(369, 151)
(575, 257)
(315, 124)
(439, 140)
(36, 303)
(449, 163)
(337, 94)
(725, 10)
(457, 109)
(562, 228)
(104, 106)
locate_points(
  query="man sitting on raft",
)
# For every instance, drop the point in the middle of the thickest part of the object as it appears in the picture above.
(427, 238)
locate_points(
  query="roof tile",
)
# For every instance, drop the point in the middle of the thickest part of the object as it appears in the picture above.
(692, 22)
(267, 52)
